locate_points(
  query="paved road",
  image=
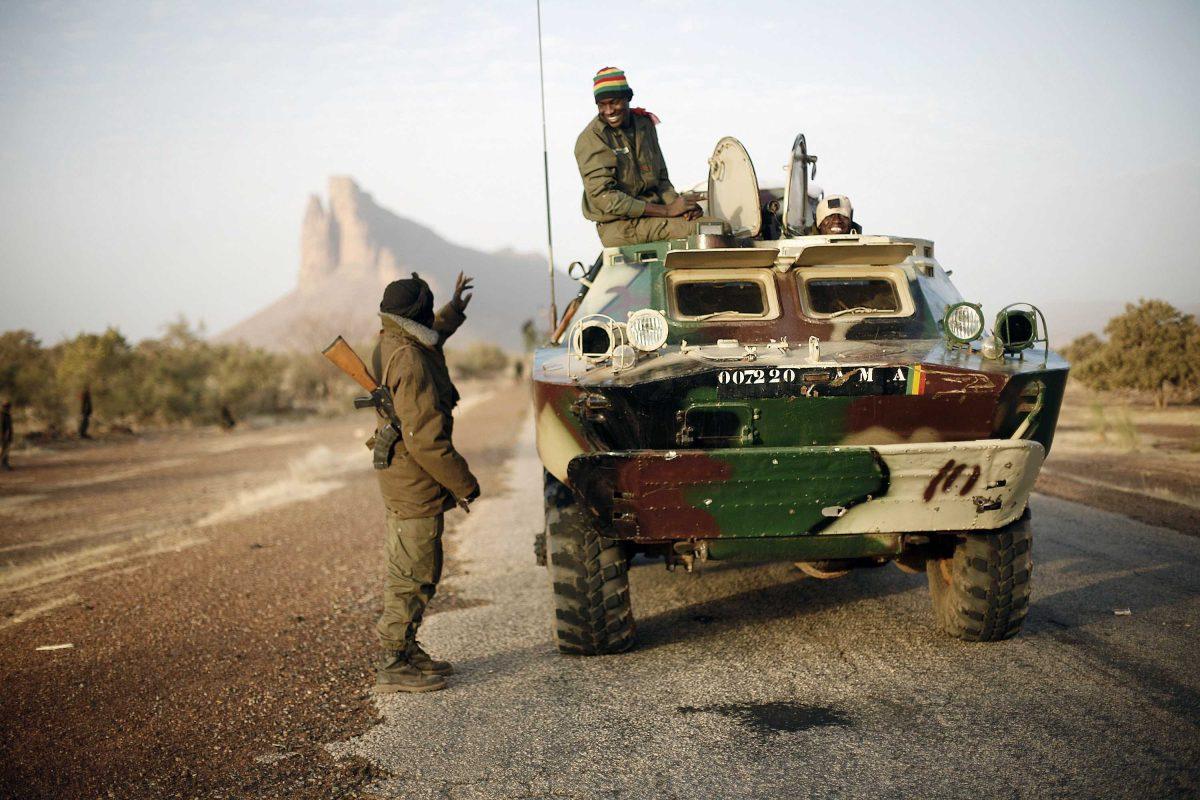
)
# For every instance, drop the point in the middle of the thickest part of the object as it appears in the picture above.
(751, 681)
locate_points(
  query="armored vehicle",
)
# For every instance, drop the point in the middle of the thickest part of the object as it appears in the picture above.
(756, 391)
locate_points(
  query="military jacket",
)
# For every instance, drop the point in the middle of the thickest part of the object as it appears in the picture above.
(427, 475)
(622, 169)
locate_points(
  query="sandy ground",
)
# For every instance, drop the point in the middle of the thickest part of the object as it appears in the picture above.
(218, 593)
(1135, 460)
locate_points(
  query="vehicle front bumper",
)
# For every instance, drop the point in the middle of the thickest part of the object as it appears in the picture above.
(754, 492)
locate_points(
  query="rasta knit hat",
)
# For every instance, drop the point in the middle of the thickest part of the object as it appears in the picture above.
(410, 298)
(610, 82)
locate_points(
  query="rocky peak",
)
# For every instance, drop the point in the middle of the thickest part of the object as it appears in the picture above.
(351, 247)
(348, 238)
(318, 244)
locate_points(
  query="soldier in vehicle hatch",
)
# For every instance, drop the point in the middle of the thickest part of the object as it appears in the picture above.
(835, 215)
(425, 475)
(626, 190)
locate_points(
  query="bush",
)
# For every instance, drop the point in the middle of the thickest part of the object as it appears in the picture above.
(478, 360)
(27, 375)
(178, 378)
(1151, 347)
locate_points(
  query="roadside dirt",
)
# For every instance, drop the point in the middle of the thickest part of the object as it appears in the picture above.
(1130, 459)
(219, 593)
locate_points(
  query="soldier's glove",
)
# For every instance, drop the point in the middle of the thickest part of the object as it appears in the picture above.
(385, 446)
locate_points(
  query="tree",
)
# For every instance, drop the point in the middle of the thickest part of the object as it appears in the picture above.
(27, 374)
(173, 373)
(101, 361)
(1082, 348)
(1150, 346)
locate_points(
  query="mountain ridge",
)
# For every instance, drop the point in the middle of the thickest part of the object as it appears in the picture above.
(351, 248)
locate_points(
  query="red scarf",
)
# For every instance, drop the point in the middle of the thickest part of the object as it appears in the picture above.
(641, 112)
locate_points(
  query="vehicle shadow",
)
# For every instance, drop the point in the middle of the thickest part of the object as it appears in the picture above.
(796, 595)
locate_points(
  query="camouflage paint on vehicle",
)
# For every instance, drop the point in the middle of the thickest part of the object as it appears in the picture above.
(882, 429)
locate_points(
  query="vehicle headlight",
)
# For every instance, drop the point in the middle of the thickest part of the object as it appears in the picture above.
(963, 322)
(647, 329)
(1016, 329)
(623, 357)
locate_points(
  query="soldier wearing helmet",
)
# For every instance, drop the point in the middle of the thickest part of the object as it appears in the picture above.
(626, 190)
(835, 215)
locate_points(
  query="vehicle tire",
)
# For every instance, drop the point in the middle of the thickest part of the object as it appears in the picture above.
(980, 592)
(589, 575)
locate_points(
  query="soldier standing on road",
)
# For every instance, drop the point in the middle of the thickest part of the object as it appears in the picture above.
(626, 190)
(85, 411)
(426, 475)
(6, 434)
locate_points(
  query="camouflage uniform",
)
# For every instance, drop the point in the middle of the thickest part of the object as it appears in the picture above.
(622, 170)
(426, 476)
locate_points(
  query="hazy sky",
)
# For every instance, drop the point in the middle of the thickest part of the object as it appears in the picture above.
(155, 158)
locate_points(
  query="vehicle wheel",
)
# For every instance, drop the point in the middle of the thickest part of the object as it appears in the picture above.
(589, 576)
(981, 592)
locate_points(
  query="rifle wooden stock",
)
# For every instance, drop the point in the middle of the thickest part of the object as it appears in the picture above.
(344, 358)
(567, 316)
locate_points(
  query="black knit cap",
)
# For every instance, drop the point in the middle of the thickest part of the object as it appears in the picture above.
(410, 298)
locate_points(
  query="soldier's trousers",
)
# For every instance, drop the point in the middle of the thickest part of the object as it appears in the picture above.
(640, 230)
(414, 567)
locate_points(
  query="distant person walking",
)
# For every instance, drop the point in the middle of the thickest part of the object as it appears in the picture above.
(425, 475)
(626, 190)
(6, 434)
(85, 411)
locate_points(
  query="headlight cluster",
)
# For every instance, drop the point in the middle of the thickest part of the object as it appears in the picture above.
(1016, 329)
(598, 338)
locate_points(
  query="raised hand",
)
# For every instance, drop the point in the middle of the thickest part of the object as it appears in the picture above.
(462, 287)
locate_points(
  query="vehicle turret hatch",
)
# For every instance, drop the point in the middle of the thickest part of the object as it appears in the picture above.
(798, 208)
(733, 188)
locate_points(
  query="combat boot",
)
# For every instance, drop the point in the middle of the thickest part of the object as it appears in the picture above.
(426, 663)
(394, 673)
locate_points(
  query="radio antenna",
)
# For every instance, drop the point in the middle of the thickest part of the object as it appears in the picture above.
(546, 175)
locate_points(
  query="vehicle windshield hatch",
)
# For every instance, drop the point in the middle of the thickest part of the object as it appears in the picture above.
(838, 296)
(717, 297)
(700, 294)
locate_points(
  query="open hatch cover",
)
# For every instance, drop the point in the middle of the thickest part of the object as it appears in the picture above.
(733, 188)
(851, 252)
(729, 257)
